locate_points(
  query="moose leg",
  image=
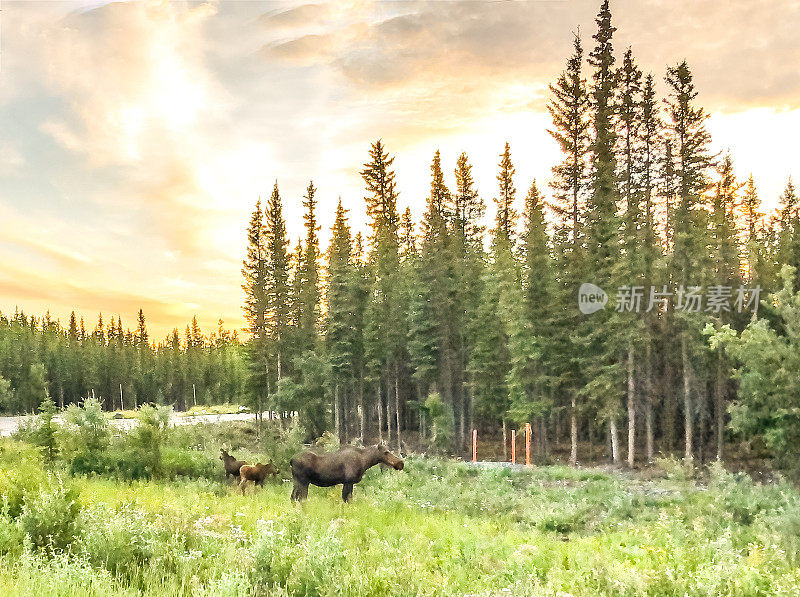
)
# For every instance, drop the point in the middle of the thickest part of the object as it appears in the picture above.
(243, 485)
(300, 491)
(347, 491)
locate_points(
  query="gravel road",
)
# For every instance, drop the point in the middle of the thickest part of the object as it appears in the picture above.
(10, 424)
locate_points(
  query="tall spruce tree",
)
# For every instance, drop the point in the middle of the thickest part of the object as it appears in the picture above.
(530, 326)
(506, 219)
(309, 292)
(688, 260)
(340, 319)
(256, 307)
(569, 108)
(725, 278)
(602, 342)
(278, 289)
(386, 329)
(469, 262)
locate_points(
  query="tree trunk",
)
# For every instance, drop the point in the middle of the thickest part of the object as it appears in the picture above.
(648, 401)
(573, 431)
(687, 399)
(670, 423)
(362, 413)
(719, 405)
(631, 409)
(336, 422)
(471, 409)
(612, 430)
(505, 441)
(389, 387)
(397, 403)
(379, 404)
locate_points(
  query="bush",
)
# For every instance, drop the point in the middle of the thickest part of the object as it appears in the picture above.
(21, 472)
(676, 469)
(147, 438)
(126, 463)
(85, 434)
(328, 442)
(442, 420)
(50, 515)
(176, 462)
(281, 445)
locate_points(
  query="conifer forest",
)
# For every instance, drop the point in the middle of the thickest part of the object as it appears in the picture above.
(421, 331)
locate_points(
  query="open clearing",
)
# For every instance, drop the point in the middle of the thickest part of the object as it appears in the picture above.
(437, 528)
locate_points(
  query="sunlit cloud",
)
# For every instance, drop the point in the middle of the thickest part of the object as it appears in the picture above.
(138, 135)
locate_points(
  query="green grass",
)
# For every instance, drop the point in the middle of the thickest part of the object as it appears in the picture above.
(437, 528)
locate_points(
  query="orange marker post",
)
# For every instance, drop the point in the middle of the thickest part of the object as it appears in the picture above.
(527, 444)
(474, 445)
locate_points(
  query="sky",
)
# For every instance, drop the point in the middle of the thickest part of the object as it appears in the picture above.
(136, 137)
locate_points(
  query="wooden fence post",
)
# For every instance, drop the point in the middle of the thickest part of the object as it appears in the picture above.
(527, 444)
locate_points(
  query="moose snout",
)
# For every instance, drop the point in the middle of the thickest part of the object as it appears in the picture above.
(399, 465)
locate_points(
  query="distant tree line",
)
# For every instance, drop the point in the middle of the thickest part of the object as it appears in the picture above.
(441, 326)
(116, 366)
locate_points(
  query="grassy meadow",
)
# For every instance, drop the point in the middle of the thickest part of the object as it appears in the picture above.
(437, 528)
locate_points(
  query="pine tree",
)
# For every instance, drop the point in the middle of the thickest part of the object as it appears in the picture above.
(602, 340)
(726, 274)
(341, 333)
(529, 324)
(789, 236)
(47, 428)
(688, 264)
(469, 265)
(651, 249)
(434, 320)
(633, 262)
(256, 308)
(506, 219)
(569, 108)
(755, 252)
(309, 306)
(385, 330)
(278, 290)
(468, 207)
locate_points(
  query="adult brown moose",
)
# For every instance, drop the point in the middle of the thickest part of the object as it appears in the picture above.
(346, 466)
(232, 465)
(256, 473)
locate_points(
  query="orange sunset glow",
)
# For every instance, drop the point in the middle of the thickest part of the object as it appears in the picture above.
(137, 136)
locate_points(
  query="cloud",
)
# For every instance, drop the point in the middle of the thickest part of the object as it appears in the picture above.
(297, 16)
(11, 160)
(742, 54)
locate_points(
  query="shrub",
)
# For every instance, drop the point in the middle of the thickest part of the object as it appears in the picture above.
(21, 472)
(675, 468)
(177, 462)
(281, 445)
(149, 435)
(124, 462)
(442, 420)
(328, 442)
(50, 515)
(85, 434)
